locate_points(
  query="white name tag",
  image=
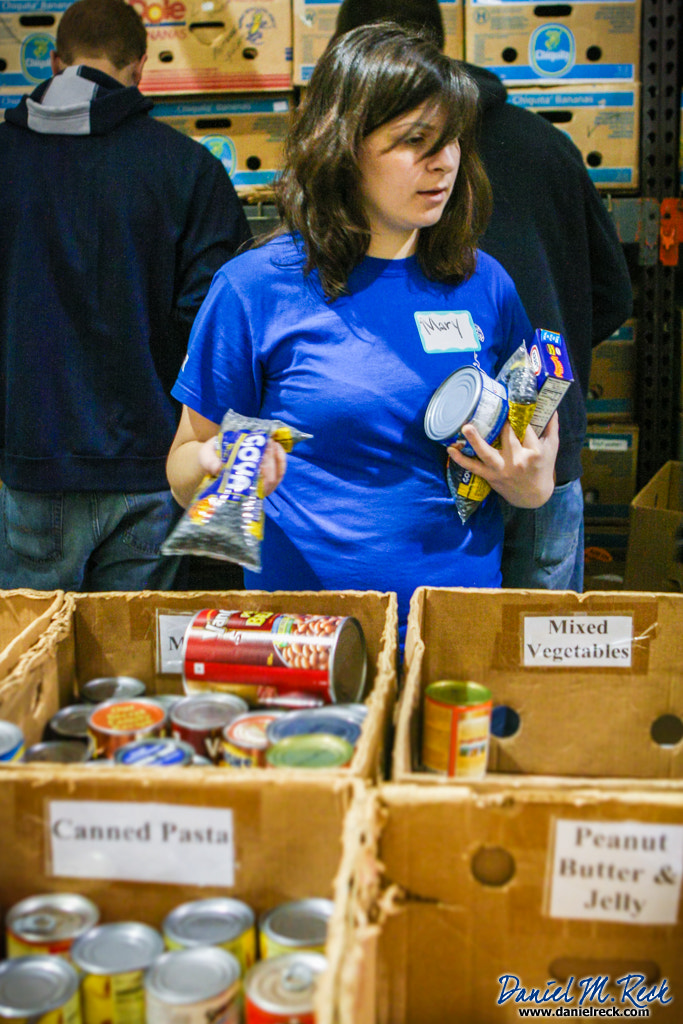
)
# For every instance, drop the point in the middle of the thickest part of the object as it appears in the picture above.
(140, 842)
(625, 871)
(447, 332)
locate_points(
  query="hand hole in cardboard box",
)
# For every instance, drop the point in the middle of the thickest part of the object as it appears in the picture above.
(207, 32)
(250, 53)
(594, 159)
(667, 730)
(553, 11)
(166, 57)
(504, 721)
(593, 54)
(36, 20)
(492, 865)
(509, 55)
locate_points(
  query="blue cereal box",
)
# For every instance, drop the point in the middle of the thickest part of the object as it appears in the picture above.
(550, 363)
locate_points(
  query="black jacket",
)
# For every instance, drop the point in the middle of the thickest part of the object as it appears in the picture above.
(551, 231)
(113, 225)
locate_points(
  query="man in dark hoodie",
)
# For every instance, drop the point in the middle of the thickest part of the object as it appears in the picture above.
(113, 225)
(552, 233)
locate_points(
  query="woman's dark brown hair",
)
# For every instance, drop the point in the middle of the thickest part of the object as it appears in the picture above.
(366, 78)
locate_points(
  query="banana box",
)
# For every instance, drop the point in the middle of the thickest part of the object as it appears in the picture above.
(529, 43)
(27, 37)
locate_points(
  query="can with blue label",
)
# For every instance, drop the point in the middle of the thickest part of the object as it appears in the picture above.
(468, 395)
(155, 752)
(11, 742)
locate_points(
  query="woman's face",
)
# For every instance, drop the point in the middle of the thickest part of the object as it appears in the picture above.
(402, 188)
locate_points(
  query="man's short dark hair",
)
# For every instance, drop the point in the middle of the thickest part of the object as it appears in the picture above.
(109, 29)
(414, 15)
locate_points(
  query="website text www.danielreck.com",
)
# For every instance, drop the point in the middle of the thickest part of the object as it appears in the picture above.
(628, 997)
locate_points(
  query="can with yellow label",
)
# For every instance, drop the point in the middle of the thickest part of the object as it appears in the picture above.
(456, 728)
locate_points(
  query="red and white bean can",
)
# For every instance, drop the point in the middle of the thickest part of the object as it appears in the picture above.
(275, 658)
(281, 990)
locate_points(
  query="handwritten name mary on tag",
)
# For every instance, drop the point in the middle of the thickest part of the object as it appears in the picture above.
(447, 332)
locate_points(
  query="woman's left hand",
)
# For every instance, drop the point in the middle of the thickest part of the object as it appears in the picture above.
(523, 471)
(273, 466)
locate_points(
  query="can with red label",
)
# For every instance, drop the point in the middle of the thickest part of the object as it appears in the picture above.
(201, 718)
(273, 657)
(245, 740)
(114, 723)
(281, 990)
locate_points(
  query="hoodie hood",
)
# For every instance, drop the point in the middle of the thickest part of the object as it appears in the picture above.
(78, 101)
(492, 92)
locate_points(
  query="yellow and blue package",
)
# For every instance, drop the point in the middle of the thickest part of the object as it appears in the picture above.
(225, 518)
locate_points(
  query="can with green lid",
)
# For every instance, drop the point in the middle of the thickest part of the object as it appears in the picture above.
(310, 750)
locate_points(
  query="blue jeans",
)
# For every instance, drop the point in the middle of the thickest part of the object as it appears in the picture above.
(543, 547)
(86, 541)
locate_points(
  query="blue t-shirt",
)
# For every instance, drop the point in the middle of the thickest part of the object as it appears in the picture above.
(364, 504)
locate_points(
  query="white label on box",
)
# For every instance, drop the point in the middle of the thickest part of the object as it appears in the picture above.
(625, 871)
(170, 634)
(608, 444)
(141, 842)
(571, 641)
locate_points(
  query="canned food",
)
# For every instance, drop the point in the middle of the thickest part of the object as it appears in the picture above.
(58, 752)
(281, 990)
(48, 924)
(11, 742)
(194, 986)
(456, 728)
(297, 926)
(201, 718)
(245, 740)
(219, 921)
(70, 723)
(355, 712)
(310, 750)
(157, 752)
(300, 723)
(39, 990)
(112, 688)
(268, 657)
(114, 723)
(113, 959)
(467, 396)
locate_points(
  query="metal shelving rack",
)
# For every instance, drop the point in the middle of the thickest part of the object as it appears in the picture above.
(657, 347)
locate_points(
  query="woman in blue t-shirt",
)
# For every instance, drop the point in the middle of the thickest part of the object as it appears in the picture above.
(345, 323)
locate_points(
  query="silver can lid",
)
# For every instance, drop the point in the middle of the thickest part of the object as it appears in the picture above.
(453, 404)
(109, 687)
(284, 983)
(33, 985)
(117, 947)
(71, 722)
(52, 916)
(298, 922)
(209, 922)
(208, 710)
(188, 975)
(58, 752)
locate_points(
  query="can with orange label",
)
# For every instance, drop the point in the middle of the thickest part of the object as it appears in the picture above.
(114, 723)
(281, 990)
(456, 728)
(275, 658)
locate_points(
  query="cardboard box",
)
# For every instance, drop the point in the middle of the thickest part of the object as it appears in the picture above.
(611, 388)
(205, 46)
(585, 684)
(315, 22)
(35, 650)
(27, 37)
(481, 892)
(140, 634)
(245, 133)
(609, 460)
(604, 123)
(139, 842)
(527, 43)
(656, 516)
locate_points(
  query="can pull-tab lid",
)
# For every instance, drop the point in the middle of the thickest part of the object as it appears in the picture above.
(297, 978)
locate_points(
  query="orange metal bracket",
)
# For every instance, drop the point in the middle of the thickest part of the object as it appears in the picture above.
(670, 231)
